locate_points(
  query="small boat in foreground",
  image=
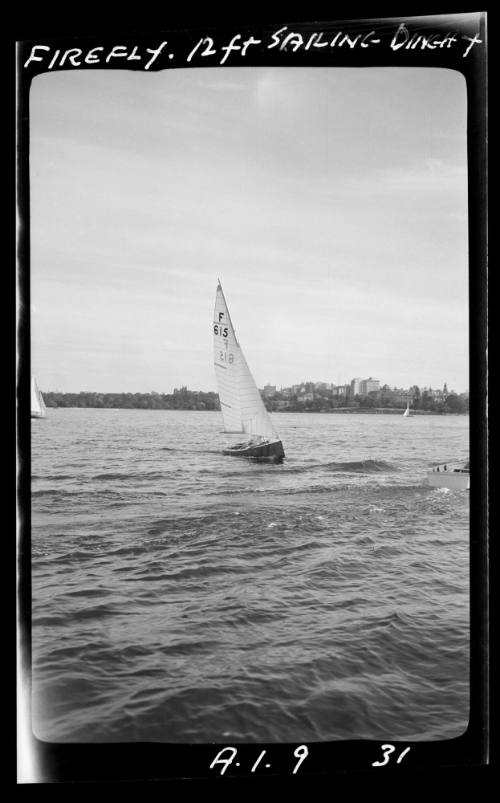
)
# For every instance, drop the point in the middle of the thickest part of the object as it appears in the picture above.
(456, 478)
(243, 410)
(38, 409)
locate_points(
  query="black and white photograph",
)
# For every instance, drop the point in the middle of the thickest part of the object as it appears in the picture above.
(250, 389)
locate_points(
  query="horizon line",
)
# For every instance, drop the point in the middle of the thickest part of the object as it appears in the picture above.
(278, 388)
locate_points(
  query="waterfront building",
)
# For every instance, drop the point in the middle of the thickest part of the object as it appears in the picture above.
(369, 385)
(355, 386)
(269, 390)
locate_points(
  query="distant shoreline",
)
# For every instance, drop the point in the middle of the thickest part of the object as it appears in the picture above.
(337, 410)
(375, 410)
(315, 402)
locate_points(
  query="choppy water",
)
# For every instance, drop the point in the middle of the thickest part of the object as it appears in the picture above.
(183, 596)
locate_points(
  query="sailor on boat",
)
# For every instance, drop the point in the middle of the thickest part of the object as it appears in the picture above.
(453, 478)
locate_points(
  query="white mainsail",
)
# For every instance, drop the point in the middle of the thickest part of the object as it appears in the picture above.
(407, 411)
(243, 410)
(38, 409)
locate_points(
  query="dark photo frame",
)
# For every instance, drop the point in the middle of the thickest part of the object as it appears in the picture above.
(449, 42)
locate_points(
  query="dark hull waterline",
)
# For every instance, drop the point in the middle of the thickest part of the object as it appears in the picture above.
(270, 452)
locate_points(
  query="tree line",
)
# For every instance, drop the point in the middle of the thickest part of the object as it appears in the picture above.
(182, 399)
(323, 401)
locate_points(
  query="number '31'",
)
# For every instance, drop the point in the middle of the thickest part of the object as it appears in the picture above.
(388, 749)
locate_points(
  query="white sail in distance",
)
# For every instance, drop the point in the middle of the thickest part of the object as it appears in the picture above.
(38, 409)
(243, 410)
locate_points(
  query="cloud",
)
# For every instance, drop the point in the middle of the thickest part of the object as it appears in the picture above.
(429, 175)
(327, 195)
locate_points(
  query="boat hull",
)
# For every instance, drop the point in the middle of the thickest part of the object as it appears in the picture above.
(271, 451)
(454, 480)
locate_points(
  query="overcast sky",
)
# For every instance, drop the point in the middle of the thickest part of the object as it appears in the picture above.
(332, 204)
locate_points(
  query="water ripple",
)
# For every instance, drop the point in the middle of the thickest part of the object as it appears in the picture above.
(181, 596)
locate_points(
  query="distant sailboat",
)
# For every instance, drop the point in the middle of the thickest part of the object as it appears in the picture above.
(407, 411)
(243, 410)
(38, 409)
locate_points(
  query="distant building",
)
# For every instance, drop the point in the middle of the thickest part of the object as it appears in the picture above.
(402, 396)
(367, 386)
(269, 390)
(355, 385)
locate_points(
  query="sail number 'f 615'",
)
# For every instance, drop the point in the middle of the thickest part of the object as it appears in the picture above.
(220, 328)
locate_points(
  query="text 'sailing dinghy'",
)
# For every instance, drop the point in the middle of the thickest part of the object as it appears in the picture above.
(243, 410)
(456, 478)
(38, 409)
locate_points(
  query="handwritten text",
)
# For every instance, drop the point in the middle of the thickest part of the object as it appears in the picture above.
(283, 40)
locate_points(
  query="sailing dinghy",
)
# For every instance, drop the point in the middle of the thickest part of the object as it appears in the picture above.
(407, 411)
(243, 410)
(37, 403)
